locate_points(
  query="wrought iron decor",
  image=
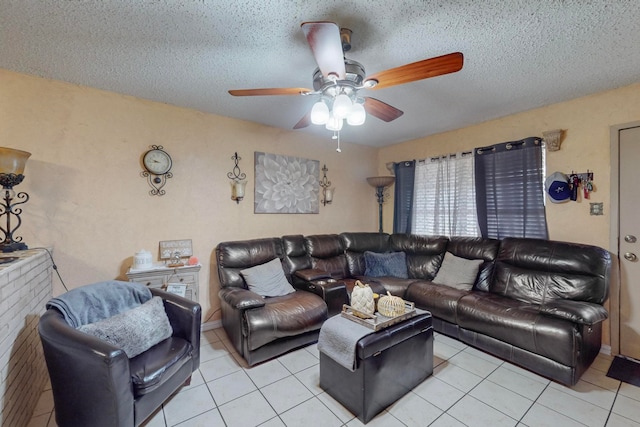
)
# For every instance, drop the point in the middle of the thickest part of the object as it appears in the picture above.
(237, 178)
(286, 184)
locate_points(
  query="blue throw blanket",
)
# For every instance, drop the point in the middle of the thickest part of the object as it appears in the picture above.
(99, 301)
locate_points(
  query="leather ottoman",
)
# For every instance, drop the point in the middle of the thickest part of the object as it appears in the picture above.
(389, 363)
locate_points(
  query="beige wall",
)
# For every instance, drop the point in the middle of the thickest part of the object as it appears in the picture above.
(89, 202)
(586, 146)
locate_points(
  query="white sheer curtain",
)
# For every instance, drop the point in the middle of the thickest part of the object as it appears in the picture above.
(445, 197)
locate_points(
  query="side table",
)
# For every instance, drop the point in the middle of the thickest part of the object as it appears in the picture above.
(160, 277)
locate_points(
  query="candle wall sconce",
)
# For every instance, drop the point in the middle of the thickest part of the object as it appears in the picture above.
(237, 178)
(553, 139)
(327, 190)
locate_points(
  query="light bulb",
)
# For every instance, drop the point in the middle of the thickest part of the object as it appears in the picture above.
(357, 115)
(342, 106)
(319, 113)
(334, 123)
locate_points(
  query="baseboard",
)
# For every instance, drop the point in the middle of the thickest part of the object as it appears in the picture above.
(605, 349)
(207, 326)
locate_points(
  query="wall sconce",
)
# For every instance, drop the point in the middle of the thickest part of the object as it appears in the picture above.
(12, 164)
(553, 139)
(327, 192)
(237, 178)
(380, 183)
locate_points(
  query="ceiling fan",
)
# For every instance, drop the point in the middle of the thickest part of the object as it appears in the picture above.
(338, 80)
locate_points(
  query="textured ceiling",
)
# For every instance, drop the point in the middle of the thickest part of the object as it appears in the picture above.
(519, 54)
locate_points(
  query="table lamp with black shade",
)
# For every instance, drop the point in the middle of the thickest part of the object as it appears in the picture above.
(12, 163)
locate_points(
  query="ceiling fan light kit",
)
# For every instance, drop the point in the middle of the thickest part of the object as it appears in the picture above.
(337, 80)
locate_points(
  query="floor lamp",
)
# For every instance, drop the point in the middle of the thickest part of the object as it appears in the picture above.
(380, 183)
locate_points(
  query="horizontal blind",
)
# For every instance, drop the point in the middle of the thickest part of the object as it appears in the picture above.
(510, 195)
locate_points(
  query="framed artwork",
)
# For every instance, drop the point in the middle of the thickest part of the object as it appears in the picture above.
(169, 247)
(286, 184)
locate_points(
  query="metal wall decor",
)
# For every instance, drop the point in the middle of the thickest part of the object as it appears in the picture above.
(237, 178)
(327, 190)
(157, 169)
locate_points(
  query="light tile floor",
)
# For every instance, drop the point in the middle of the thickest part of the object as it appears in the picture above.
(468, 388)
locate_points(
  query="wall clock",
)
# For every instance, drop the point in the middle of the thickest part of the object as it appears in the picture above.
(157, 169)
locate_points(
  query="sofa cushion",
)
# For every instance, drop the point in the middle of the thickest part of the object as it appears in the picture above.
(457, 272)
(267, 279)
(520, 324)
(388, 264)
(151, 369)
(424, 253)
(441, 301)
(539, 271)
(284, 316)
(135, 330)
(355, 245)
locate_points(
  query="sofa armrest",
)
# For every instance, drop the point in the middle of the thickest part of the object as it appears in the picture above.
(241, 299)
(582, 312)
(310, 274)
(185, 317)
(103, 369)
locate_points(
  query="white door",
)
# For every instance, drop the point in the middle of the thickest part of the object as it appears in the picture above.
(629, 242)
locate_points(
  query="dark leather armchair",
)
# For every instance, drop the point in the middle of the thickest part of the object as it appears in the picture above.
(95, 384)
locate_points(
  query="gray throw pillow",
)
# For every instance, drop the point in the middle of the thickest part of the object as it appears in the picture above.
(457, 272)
(135, 330)
(267, 279)
(392, 264)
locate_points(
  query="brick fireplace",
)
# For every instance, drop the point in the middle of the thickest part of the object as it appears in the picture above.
(25, 287)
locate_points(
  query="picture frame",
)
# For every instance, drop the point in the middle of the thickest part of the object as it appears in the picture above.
(169, 247)
(285, 184)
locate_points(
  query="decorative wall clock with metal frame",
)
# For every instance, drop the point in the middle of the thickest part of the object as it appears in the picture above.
(157, 164)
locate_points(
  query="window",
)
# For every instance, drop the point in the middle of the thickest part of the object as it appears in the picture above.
(444, 196)
(495, 192)
(509, 189)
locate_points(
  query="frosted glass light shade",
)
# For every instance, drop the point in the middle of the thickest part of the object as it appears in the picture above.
(328, 194)
(13, 161)
(380, 181)
(237, 189)
(357, 116)
(319, 113)
(342, 106)
(334, 124)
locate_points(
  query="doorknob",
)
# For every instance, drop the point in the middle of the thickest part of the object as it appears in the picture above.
(629, 256)
(630, 239)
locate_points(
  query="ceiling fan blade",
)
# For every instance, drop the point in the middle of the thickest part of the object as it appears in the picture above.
(270, 91)
(381, 110)
(424, 69)
(324, 39)
(304, 122)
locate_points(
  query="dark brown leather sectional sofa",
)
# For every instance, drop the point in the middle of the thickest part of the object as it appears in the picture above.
(536, 303)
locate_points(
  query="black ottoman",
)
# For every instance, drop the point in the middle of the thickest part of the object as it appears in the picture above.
(389, 363)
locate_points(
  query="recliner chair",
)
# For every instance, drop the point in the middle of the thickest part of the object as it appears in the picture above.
(95, 384)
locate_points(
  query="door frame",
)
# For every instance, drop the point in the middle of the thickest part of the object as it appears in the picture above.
(614, 235)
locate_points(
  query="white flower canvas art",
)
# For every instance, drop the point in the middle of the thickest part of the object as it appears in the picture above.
(286, 184)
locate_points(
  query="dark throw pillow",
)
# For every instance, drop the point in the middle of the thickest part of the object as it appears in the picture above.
(386, 264)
